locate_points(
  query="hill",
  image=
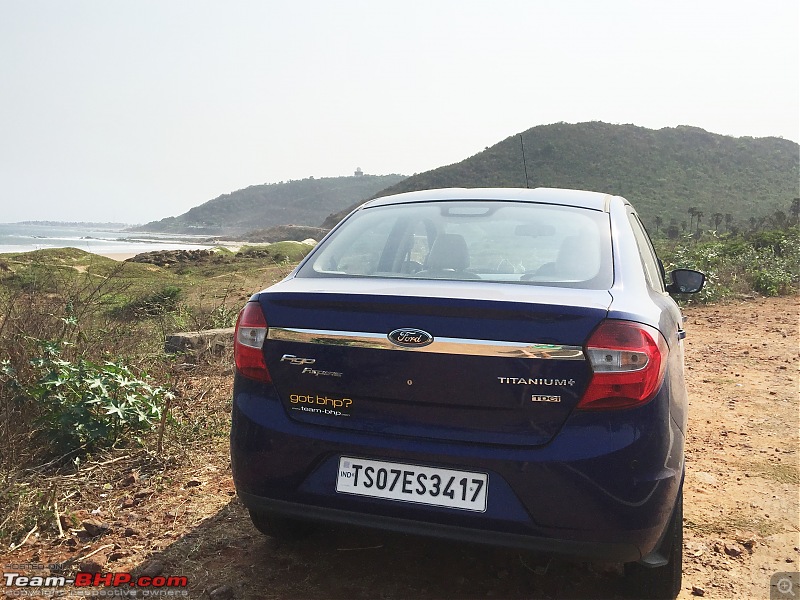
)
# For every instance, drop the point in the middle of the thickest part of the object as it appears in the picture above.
(303, 202)
(281, 233)
(664, 173)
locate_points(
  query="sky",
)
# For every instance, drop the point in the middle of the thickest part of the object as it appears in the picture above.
(136, 110)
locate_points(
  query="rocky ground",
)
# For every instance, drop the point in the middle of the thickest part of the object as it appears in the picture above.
(142, 513)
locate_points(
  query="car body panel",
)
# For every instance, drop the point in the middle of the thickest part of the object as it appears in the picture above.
(471, 383)
(565, 490)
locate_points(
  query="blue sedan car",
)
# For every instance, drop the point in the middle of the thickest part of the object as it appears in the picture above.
(491, 365)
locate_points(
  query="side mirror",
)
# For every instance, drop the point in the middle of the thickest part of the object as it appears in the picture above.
(686, 281)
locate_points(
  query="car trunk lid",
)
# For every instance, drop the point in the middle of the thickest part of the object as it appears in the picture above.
(485, 364)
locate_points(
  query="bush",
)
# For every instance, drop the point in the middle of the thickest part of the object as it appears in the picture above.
(154, 304)
(81, 404)
(279, 252)
(774, 282)
(766, 262)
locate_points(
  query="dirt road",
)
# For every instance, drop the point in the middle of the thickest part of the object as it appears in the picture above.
(741, 504)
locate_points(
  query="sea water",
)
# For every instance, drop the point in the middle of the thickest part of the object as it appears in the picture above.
(23, 237)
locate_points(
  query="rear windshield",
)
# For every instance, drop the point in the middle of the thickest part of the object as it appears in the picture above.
(493, 241)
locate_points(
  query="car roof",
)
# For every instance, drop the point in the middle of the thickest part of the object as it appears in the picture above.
(564, 197)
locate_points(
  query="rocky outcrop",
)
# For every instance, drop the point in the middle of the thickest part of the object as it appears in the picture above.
(198, 344)
(166, 258)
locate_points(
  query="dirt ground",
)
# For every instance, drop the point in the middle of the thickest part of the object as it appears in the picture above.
(182, 518)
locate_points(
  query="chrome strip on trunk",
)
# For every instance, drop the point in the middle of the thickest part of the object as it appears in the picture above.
(471, 347)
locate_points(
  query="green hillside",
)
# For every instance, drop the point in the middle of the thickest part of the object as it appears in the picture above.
(664, 173)
(304, 202)
(282, 233)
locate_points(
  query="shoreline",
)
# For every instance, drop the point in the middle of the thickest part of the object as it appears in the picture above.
(118, 254)
(122, 254)
(117, 245)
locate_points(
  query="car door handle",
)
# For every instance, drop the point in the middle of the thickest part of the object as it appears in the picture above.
(681, 334)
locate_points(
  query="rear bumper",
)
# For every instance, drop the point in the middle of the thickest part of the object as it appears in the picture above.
(600, 551)
(603, 489)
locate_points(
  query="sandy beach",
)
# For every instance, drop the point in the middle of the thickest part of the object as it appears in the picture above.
(232, 246)
(120, 256)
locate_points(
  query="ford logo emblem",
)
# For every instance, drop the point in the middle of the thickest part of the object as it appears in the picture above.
(410, 338)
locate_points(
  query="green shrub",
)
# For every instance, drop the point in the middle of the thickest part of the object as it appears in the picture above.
(278, 252)
(773, 239)
(82, 404)
(773, 282)
(222, 316)
(765, 262)
(154, 304)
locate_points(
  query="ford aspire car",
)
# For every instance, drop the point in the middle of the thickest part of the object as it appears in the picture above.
(490, 365)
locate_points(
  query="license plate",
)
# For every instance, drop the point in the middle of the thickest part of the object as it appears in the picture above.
(464, 490)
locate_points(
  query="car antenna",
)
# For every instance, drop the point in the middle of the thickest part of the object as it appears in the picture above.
(524, 164)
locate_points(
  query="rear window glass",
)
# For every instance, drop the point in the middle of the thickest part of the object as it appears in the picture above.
(471, 240)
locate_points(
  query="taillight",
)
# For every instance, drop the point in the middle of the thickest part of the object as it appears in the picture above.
(628, 362)
(248, 343)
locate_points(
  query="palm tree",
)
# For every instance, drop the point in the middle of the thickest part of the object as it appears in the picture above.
(659, 223)
(673, 232)
(692, 212)
(728, 221)
(717, 220)
(779, 219)
(699, 215)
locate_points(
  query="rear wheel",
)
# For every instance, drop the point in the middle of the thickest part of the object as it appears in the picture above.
(279, 527)
(661, 582)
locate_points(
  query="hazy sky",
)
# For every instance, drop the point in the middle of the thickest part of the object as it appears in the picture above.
(135, 110)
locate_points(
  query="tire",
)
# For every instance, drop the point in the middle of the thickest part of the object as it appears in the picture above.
(282, 528)
(645, 582)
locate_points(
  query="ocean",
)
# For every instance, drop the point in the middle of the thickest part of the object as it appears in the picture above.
(18, 237)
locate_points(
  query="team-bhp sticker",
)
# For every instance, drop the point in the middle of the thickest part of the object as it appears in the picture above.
(321, 404)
